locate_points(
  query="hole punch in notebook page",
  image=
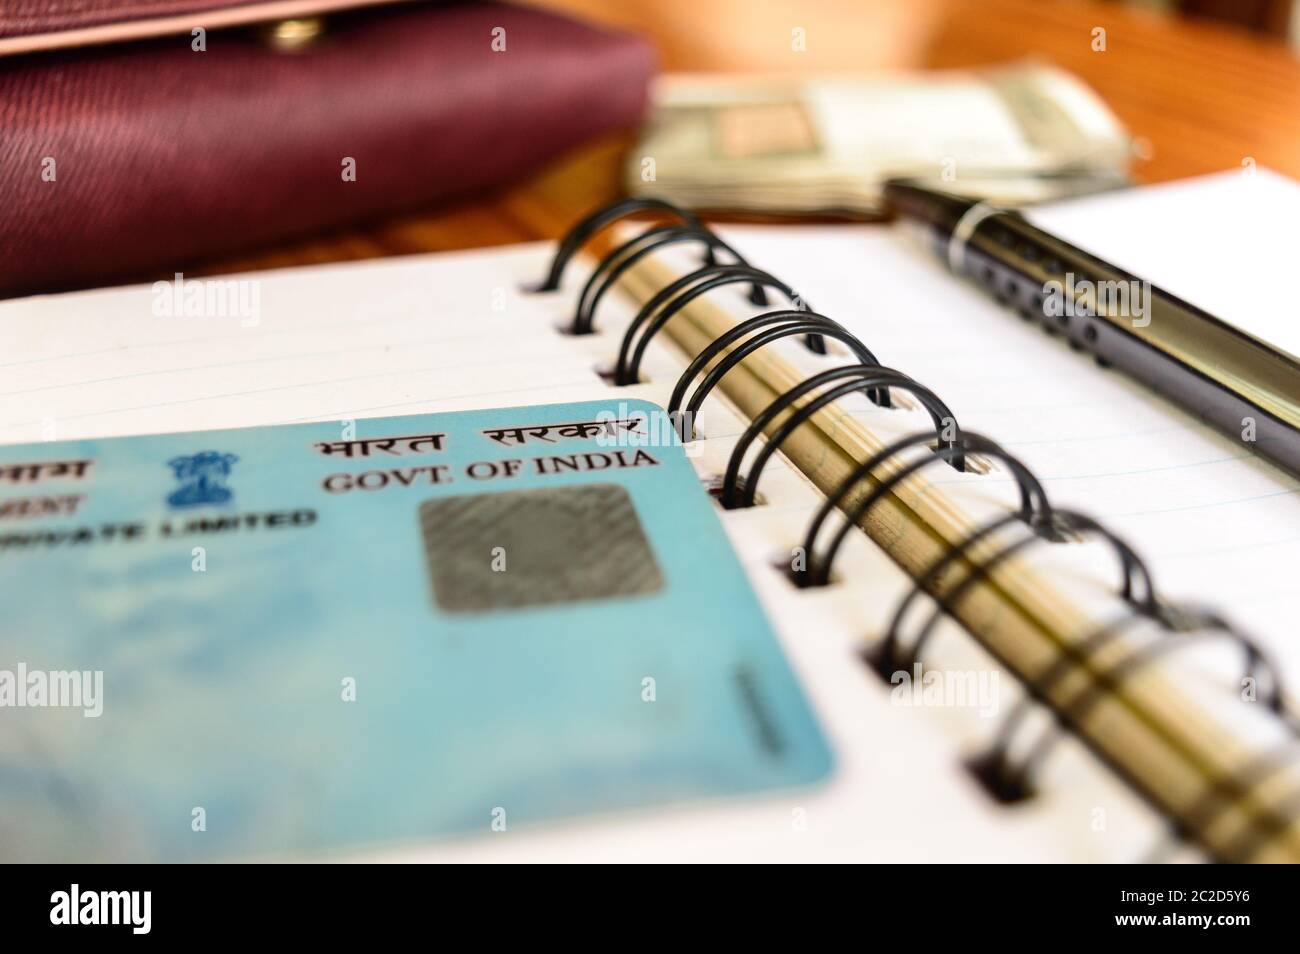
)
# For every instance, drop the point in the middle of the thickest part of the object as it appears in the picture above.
(1218, 525)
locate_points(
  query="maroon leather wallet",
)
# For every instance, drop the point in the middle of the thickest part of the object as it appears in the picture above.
(131, 157)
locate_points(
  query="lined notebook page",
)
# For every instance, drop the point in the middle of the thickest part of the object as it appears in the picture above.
(343, 342)
(1218, 525)
(453, 331)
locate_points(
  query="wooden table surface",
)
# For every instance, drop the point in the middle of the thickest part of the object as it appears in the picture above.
(1198, 96)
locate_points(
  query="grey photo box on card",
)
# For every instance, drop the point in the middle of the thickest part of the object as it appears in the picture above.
(532, 547)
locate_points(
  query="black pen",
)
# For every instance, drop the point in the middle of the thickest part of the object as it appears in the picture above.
(1240, 384)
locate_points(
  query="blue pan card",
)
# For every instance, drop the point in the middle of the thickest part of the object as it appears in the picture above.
(327, 637)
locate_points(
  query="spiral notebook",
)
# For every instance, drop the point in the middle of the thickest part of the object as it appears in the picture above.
(1152, 751)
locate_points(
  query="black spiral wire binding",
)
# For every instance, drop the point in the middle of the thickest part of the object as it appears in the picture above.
(738, 492)
(670, 299)
(583, 231)
(1175, 626)
(617, 262)
(1035, 510)
(1220, 796)
(1012, 783)
(1142, 597)
(779, 324)
(1246, 781)
(1012, 780)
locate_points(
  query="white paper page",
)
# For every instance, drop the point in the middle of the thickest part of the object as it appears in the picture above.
(350, 341)
(1218, 525)
(1224, 242)
(453, 331)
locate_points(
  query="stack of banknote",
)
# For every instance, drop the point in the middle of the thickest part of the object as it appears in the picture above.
(1015, 134)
